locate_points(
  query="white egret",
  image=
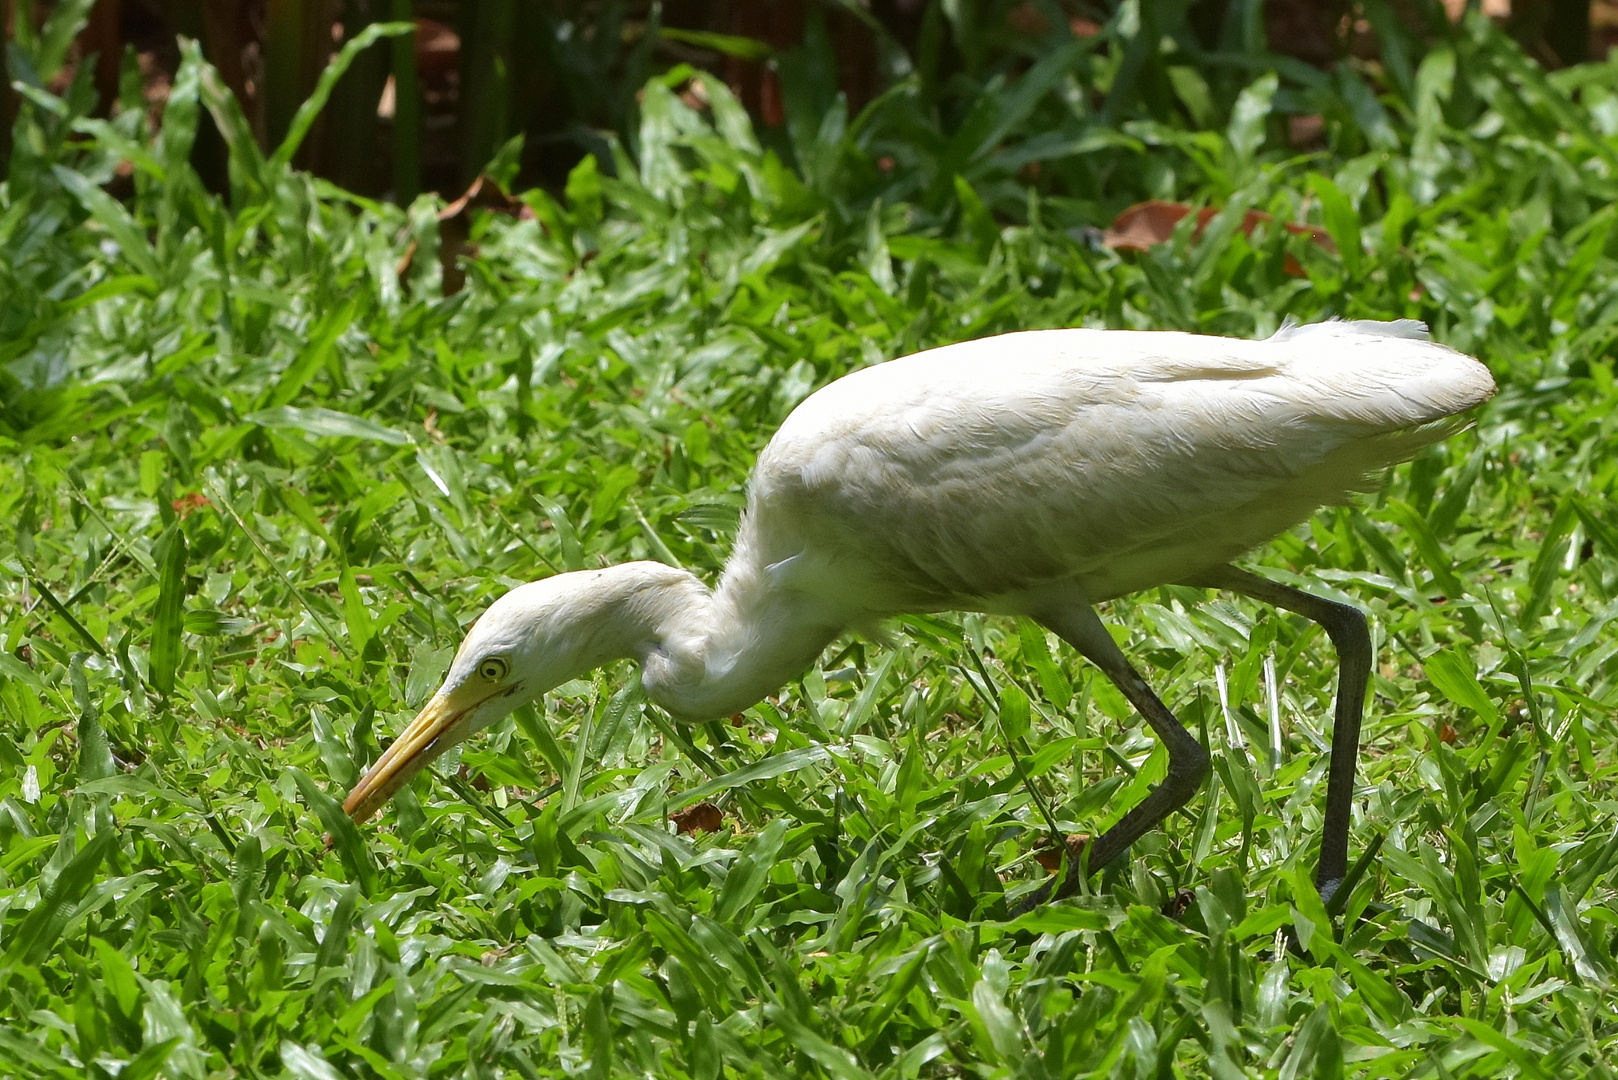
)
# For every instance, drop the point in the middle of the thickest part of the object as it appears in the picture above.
(1038, 474)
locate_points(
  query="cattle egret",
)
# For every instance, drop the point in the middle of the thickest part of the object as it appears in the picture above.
(1037, 474)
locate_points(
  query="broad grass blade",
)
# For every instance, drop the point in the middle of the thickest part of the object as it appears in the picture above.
(40, 929)
(168, 618)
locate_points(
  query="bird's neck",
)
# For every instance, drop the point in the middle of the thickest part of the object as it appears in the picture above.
(705, 654)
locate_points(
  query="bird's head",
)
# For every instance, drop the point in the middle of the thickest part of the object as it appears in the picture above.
(532, 639)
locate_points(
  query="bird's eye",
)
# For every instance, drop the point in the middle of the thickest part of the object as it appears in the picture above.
(493, 668)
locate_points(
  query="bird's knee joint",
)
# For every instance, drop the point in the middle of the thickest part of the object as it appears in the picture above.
(1348, 624)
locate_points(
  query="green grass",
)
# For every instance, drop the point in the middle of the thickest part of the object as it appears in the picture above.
(256, 481)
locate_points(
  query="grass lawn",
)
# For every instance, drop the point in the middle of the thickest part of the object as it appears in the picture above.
(260, 463)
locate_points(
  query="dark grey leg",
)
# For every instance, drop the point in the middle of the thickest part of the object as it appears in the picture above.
(1346, 626)
(1188, 760)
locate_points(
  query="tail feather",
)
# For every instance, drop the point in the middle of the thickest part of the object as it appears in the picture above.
(1387, 375)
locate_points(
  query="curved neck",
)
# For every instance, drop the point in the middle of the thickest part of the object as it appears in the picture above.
(707, 654)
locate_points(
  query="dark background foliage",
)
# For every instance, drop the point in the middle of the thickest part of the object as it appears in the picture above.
(430, 110)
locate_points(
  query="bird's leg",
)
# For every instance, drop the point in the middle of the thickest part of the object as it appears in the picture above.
(1346, 626)
(1188, 760)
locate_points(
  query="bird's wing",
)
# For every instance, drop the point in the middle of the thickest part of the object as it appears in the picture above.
(988, 467)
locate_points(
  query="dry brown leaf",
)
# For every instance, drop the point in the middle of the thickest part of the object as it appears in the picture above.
(485, 194)
(186, 505)
(438, 48)
(1152, 222)
(478, 781)
(455, 227)
(1306, 131)
(703, 817)
(1050, 856)
(1027, 19)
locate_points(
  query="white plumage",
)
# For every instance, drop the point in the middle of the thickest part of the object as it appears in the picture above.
(1115, 460)
(1037, 473)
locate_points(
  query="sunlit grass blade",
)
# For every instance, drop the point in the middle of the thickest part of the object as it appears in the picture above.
(320, 421)
(1456, 679)
(345, 836)
(168, 616)
(114, 218)
(40, 930)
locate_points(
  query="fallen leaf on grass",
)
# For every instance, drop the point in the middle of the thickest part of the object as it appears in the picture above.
(1152, 222)
(188, 504)
(1050, 856)
(703, 817)
(455, 226)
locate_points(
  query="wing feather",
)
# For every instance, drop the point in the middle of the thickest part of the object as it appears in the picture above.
(1111, 458)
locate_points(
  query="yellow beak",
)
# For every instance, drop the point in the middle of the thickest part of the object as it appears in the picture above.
(435, 729)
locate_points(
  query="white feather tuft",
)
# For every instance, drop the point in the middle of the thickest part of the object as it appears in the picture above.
(1408, 329)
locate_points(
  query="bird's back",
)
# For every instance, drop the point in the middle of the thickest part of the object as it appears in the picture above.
(1114, 460)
